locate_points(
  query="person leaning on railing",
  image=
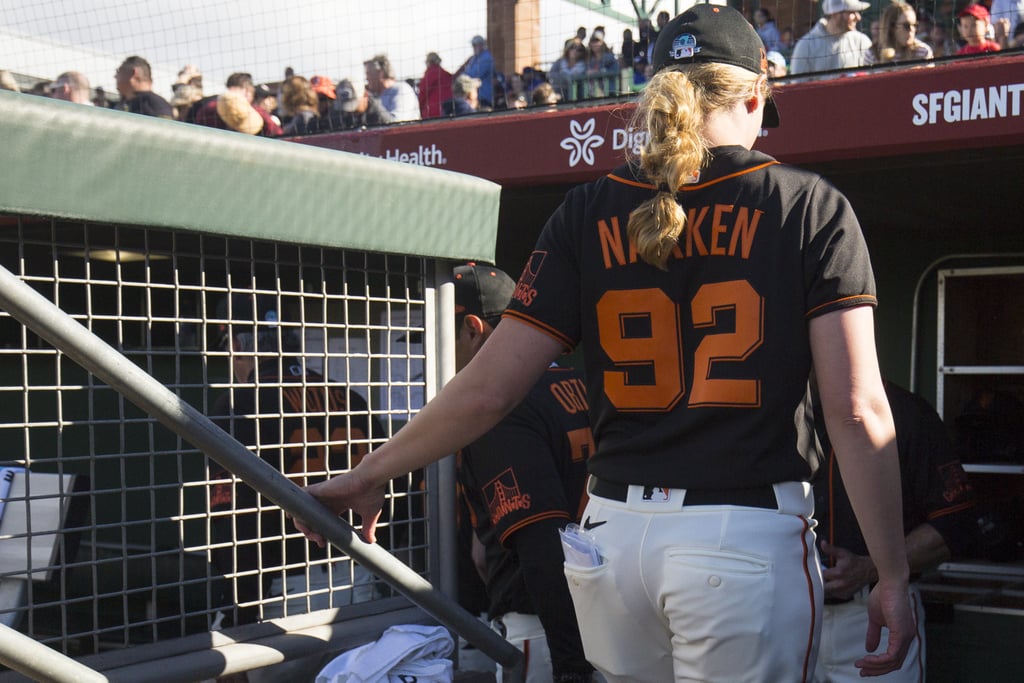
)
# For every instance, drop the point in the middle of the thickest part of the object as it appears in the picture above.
(566, 73)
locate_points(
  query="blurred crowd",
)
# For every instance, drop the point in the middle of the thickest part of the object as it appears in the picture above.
(589, 67)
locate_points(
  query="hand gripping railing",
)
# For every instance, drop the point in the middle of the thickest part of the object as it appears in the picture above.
(65, 333)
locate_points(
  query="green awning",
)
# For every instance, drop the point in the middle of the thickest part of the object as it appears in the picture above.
(73, 161)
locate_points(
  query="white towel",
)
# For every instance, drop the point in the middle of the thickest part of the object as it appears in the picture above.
(402, 652)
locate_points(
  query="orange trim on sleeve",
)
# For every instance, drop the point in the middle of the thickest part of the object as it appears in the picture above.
(565, 341)
(950, 510)
(550, 514)
(846, 302)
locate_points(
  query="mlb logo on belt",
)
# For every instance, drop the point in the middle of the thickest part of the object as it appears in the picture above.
(656, 494)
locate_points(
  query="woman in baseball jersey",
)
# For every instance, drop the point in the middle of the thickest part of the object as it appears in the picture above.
(705, 282)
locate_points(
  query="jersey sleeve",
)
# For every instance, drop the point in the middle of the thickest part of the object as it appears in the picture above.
(513, 475)
(547, 295)
(939, 491)
(837, 267)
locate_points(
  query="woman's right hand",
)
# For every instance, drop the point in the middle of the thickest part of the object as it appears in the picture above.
(348, 491)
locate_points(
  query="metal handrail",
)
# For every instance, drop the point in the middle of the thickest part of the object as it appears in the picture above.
(78, 343)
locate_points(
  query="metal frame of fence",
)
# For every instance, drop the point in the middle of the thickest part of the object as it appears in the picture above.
(131, 563)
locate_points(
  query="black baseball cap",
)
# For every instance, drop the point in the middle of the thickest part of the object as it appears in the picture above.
(245, 312)
(714, 33)
(482, 291)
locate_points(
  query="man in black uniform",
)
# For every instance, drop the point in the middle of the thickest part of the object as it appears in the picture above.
(522, 481)
(939, 514)
(304, 426)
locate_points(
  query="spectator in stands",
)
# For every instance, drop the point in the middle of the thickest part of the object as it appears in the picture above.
(101, 98)
(234, 109)
(186, 91)
(642, 56)
(300, 104)
(897, 37)
(465, 97)
(786, 36)
(602, 68)
(435, 87)
(398, 97)
(135, 84)
(183, 101)
(566, 74)
(628, 50)
(324, 89)
(265, 99)
(1017, 39)
(875, 30)
(764, 22)
(663, 18)
(1002, 31)
(776, 64)
(544, 95)
(834, 42)
(516, 95)
(354, 107)
(481, 65)
(1012, 11)
(974, 25)
(7, 81)
(940, 41)
(924, 26)
(532, 78)
(72, 86)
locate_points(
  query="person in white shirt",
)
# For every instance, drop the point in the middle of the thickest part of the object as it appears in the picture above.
(834, 42)
(398, 97)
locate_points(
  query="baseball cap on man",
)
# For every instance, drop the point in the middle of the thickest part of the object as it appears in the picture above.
(483, 291)
(832, 6)
(776, 58)
(976, 10)
(255, 314)
(714, 33)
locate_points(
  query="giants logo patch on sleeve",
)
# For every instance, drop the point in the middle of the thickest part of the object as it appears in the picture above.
(503, 496)
(525, 291)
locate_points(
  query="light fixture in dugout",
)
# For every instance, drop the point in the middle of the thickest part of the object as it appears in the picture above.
(117, 255)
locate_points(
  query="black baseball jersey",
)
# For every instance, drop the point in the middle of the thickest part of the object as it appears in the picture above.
(697, 375)
(306, 425)
(528, 468)
(936, 489)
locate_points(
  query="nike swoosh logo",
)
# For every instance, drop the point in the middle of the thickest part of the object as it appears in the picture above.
(588, 525)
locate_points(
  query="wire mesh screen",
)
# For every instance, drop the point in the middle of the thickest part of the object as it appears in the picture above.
(115, 532)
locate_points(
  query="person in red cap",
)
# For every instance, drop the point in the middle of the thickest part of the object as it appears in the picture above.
(324, 89)
(703, 282)
(974, 25)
